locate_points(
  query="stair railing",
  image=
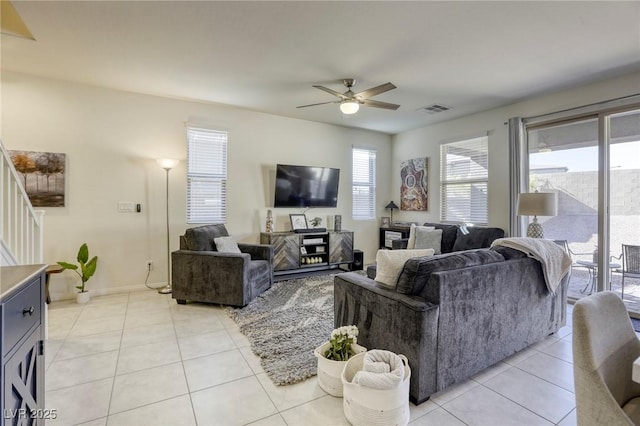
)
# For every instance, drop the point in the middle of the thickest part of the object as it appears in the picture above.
(21, 227)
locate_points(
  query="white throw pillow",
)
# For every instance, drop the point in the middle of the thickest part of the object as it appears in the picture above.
(411, 244)
(389, 264)
(429, 239)
(226, 245)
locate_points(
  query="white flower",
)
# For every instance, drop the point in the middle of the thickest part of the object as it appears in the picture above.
(351, 331)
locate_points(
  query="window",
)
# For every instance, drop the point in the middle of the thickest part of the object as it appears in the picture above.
(364, 183)
(463, 181)
(206, 176)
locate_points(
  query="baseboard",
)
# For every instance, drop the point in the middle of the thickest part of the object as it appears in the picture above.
(106, 291)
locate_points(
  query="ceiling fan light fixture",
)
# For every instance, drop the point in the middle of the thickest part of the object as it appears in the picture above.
(349, 107)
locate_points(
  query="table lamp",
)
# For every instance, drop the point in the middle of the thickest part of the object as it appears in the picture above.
(391, 206)
(537, 204)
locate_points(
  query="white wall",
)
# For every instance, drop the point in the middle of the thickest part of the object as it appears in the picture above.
(111, 139)
(426, 141)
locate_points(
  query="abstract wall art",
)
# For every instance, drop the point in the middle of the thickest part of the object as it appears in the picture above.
(414, 193)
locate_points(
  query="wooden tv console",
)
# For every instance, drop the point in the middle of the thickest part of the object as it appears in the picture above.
(309, 252)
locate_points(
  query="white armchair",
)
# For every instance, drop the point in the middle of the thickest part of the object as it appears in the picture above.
(604, 348)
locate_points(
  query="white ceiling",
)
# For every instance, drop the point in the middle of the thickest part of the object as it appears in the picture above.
(265, 56)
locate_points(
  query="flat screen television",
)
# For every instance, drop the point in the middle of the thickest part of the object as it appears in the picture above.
(306, 186)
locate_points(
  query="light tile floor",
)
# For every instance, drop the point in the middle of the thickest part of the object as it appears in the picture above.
(141, 359)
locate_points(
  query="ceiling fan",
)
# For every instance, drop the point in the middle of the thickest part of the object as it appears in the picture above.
(350, 102)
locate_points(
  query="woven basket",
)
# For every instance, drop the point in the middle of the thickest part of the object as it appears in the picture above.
(374, 407)
(330, 371)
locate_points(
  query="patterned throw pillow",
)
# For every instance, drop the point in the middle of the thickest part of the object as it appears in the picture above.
(429, 239)
(389, 264)
(226, 245)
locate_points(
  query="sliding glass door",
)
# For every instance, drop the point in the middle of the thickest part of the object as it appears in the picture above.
(624, 204)
(592, 162)
(563, 158)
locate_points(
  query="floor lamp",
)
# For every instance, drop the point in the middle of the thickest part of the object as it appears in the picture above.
(167, 164)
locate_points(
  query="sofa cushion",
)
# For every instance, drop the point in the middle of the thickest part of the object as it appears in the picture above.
(411, 243)
(201, 238)
(389, 264)
(449, 233)
(426, 238)
(416, 272)
(470, 238)
(226, 245)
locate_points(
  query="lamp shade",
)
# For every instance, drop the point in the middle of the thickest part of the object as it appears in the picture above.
(391, 205)
(349, 107)
(538, 204)
(167, 163)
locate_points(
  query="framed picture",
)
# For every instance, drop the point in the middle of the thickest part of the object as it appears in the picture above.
(43, 176)
(414, 195)
(385, 222)
(303, 250)
(298, 221)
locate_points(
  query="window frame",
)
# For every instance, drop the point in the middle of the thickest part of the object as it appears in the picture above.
(358, 210)
(475, 215)
(216, 181)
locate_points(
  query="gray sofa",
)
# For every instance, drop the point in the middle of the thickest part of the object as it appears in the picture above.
(201, 273)
(454, 314)
(454, 238)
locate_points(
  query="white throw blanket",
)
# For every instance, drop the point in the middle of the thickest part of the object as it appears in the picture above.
(380, 370)
(556, 263)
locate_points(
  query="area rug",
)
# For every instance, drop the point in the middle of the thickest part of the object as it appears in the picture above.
(286, 323)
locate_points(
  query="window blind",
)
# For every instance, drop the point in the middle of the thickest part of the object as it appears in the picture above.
(364, 183)
(464, 178)
(206, 175)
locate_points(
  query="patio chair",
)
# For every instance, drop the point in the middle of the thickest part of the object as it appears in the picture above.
(630, 263)
(565, 245)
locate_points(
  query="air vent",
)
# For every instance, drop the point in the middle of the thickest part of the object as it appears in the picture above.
(435, 108)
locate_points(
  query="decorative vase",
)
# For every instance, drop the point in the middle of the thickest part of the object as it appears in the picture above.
(82, 297)
(269, 225)
(337, 223)
(330, 371)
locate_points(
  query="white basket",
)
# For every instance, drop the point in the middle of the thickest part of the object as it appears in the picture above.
(330, 371)
(374, 407)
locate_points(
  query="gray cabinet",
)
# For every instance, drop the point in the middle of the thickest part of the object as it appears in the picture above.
(22, 345)
(340, 247)
(299, 253)
(286, 249)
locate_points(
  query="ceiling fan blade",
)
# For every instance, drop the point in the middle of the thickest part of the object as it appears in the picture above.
(321, 103)
(333, 92)
(378, 104)
(365, 94)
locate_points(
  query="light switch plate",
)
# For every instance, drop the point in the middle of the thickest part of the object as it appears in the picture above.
(125, 207)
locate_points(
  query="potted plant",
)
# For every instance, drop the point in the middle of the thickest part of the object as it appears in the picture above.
(333, 356)
(86, 270)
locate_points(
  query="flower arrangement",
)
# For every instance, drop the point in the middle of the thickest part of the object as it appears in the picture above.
(342, 339)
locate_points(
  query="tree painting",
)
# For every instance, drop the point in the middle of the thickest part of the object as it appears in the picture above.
(42, 175)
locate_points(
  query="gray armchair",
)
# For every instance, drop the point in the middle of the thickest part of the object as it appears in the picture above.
(200, 273)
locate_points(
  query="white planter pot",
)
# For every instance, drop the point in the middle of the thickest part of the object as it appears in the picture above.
(82, 297)
(330, 371)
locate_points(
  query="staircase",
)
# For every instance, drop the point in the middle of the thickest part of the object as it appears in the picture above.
(21, 227)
